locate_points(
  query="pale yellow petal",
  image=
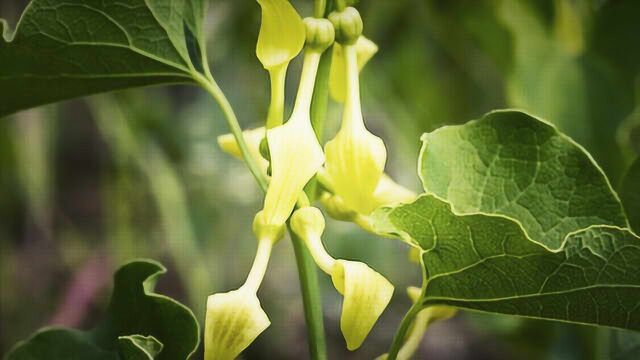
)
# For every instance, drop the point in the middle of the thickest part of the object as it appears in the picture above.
(366, 295)
(389, 192)
(253, 138)
(296, 156)
(355, 157)
(355, 163)
(233, 321)
(282, 33)
(365, 48)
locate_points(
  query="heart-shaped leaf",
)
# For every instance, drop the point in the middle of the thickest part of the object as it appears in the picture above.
(139, 324)
(63, 49)
(519, 220)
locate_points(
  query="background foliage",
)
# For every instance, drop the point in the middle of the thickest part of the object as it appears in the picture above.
(89, 184)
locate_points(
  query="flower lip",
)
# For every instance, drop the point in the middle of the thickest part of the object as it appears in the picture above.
(233, 321)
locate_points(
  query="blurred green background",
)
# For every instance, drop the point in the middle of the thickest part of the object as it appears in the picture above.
(88, 184)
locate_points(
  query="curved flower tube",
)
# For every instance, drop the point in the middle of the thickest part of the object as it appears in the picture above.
(296, 154)
(235, 319)
(281, 38)
(365, 50)
(355, 157)
(366, 293)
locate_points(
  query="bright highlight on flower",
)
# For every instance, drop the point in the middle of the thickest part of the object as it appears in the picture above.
(365, 50)
(366, 293)
(234, 319)
(355, 157)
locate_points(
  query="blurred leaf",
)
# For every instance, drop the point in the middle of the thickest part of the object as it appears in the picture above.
(65, 49)
(558, 77)
(519, 220)
(624, 345)
(138, 323)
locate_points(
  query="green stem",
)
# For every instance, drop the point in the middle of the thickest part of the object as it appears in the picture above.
(401, 334)
(340, 4)
(319, 8)
(212, 88)
(311, 299)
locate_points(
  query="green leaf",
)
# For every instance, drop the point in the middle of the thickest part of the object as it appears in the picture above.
(630, 194)
(137, 347)
(488, 263)
(63, 49)
(512, 164)
(518, 219)
(139, 324)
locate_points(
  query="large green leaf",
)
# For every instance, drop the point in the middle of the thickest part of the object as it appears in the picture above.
(512, 164)
(630, 194)
(488, 263)
(519, 220)
(139, 324)
(63, 49)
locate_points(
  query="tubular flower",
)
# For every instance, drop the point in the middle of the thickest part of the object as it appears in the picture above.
(366, 293)
(253, 138)
(296, 154)
(355, 157)
(235, 319)
(281, 38)
(420, 324)
(365, 50)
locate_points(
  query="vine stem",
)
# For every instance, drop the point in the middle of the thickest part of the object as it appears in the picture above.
(306, 267)
(401, 333)
(212, 88)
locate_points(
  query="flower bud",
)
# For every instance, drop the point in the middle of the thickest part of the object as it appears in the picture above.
(366, 295)
(282, 33)
(320, 33)
(308, 222)
(348, 25)
(233, 321)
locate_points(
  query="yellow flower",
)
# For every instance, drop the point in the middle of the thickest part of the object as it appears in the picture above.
(235, 319)
(282, 33)
(296, 154)
(355, 157)
(366, 293)
(365, 50)
(281, 38)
